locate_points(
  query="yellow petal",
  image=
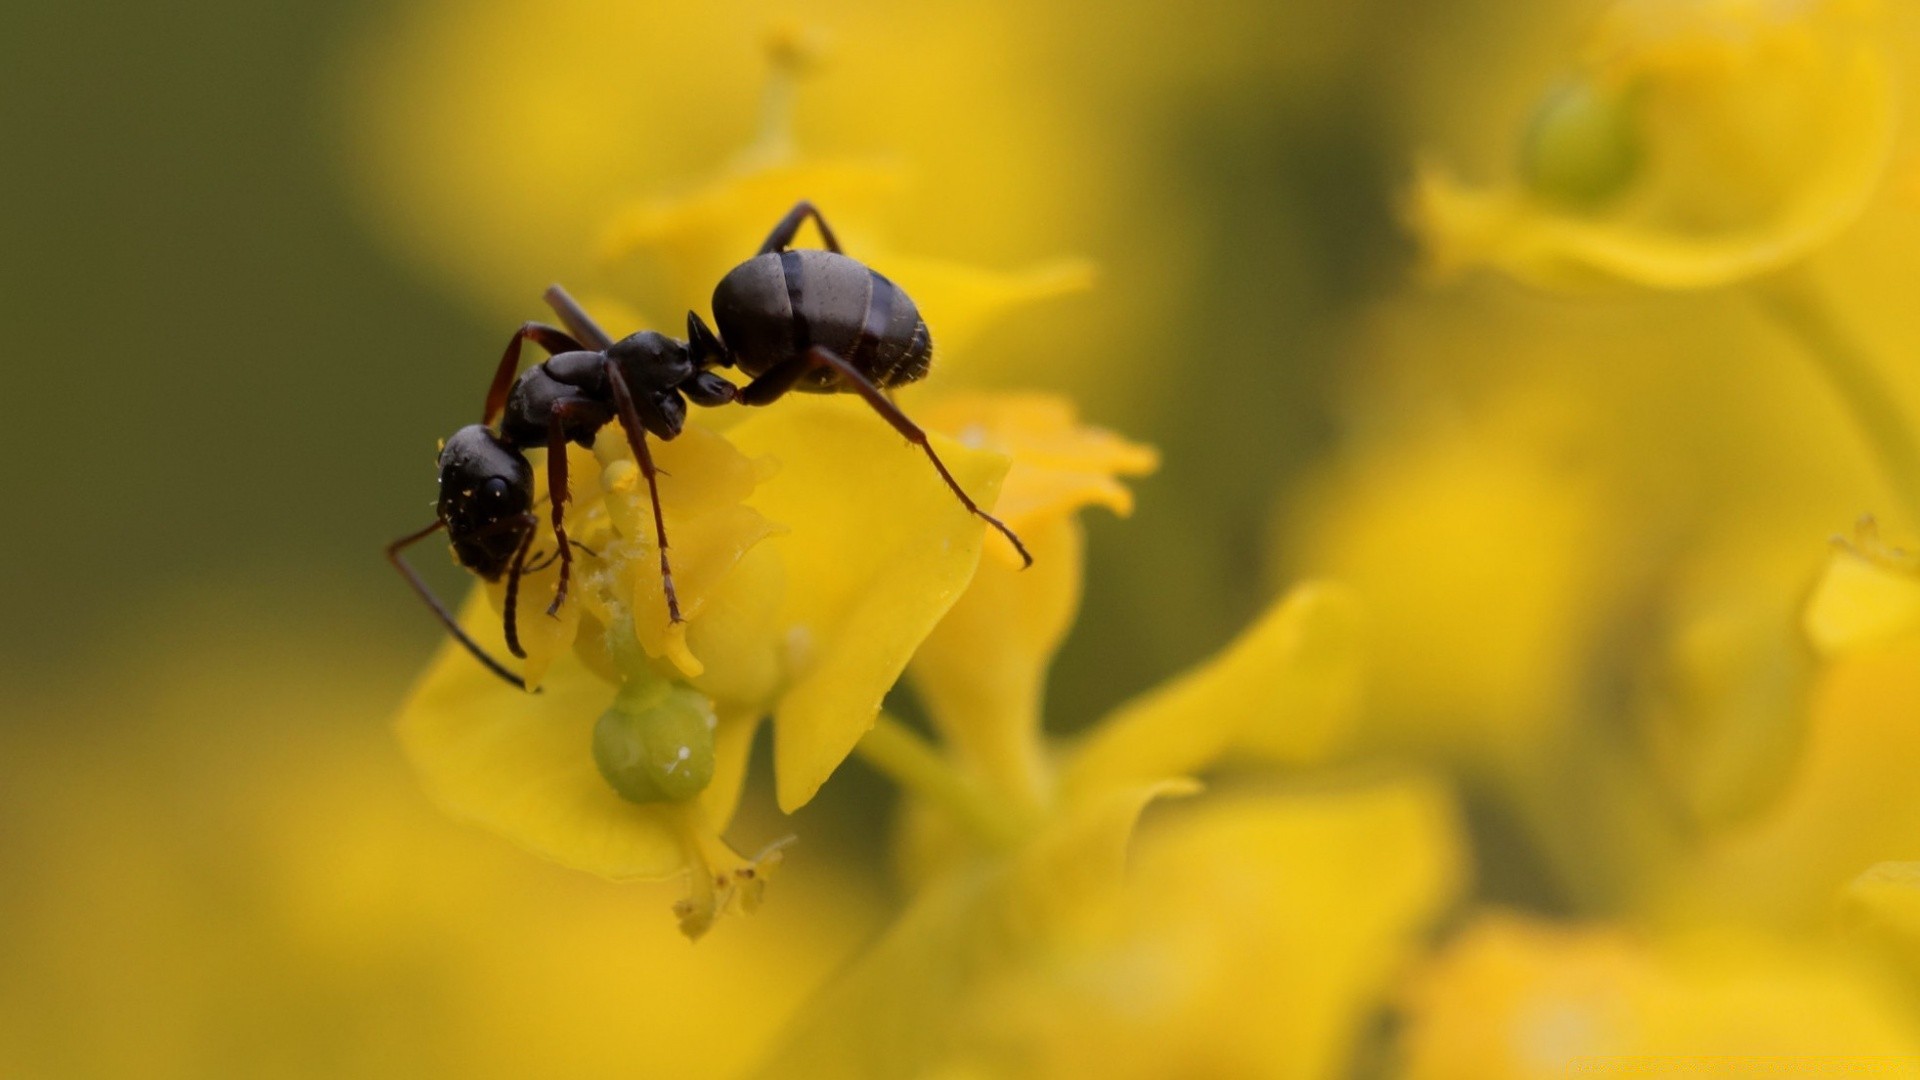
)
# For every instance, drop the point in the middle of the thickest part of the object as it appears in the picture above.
(1280, 685)
(1059, 463)
(1881, 910)
(703, 480)
(1517, 998)
(982, 673)
(686, 245)
(522, 764)
(879, 550)
(1258, 937)
(958, 300)
(1847, 803)
(1861, 601)
(893, 1012)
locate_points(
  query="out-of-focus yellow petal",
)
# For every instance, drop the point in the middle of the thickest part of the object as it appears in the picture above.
(894, 1013)
(1258, 936)
(1514, 998)
(1765, 126)
(1721, 699)
(1880, 910)
(685, 245)
(879, 549)
(1276, 918)
(1867, 595)
(1847, 804)
(982, 673)
(299, 910)
(1285, 676)
(958, 300)
(522, 764)
(1482, 553)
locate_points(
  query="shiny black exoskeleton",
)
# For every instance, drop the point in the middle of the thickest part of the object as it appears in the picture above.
(807, 320)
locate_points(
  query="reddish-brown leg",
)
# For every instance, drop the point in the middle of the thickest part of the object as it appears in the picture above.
(776, 381)
(557, 490)
(510, 618)
(547, 337)
(637, 442)
(789, 226)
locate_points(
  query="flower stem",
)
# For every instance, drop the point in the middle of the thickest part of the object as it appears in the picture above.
(894, 750)
(1796, 306)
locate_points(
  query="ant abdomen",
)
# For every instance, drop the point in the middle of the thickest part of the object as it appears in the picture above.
(774, 307)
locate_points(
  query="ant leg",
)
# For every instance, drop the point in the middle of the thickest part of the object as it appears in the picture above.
(547, 337)
(510, 616)
(576, 318)
(783, 233)
(637, 441)
(439, 610)
(782, 377)
(557, 491)
(546, 559)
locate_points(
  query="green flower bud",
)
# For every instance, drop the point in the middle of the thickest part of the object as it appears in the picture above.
(655, 743)
(1582, 148)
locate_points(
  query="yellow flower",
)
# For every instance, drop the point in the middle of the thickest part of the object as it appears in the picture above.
(807, 582)
(1847, 802)
(1869, 594)
(1256, 934)
(1698, 142)
(1516, 998)
(1014, 846)
(1496, 522)
(298, 910)
(499, 177)
(812, 552)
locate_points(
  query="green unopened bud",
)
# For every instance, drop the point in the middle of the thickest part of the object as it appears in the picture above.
(655, 742)
(1583, 147)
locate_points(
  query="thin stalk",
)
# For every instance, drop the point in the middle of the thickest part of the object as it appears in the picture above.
(1793, 302)
(909, 761)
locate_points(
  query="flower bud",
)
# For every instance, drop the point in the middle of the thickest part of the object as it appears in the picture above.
(1582, 147)
(655, 742)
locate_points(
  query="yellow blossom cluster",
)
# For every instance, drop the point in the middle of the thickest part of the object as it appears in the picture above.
(1563, 736)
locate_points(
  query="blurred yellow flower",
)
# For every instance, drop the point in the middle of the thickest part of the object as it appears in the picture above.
(1847, 802)
(1699, 142)
(1015, 849)
(1256, 934)
(298, 910)
(1517, 998)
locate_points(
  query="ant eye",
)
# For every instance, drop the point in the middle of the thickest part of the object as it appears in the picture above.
(494, 489)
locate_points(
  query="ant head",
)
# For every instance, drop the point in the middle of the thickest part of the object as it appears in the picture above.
(486, 490)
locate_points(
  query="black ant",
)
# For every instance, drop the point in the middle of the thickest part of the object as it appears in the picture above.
(808, 320)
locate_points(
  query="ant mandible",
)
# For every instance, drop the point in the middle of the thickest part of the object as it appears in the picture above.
(808, 320)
